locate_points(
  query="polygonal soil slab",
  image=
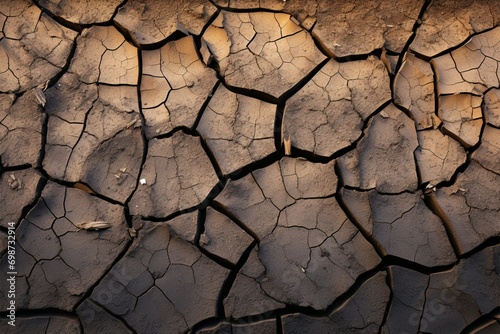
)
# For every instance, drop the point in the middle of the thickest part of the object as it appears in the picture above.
(58, 262)
(21, 122)
(304, 11)
(151, 21)
(238, 129)
(223, 237)
(174, 85)
(177, 175)
(403, 226)
(82, 12)
(488, 152)
(103, 55)
(472, 68)
(438, 156)
(457, 297)
(408, 300)
(184, 226)
(246, 297)
(447, 23)
(94, 136)
(140, 290)
(328, 113)
(33, 46)
(414, 91)
(17, 190)
(316, 263)
(257, 199)
(95, 319)
(462, 117)
(357, 27)
(306, 238)
(364, 310)
(383, 159)
(464, 294)
(448, 300)
(471, 205)
(262, 51)
(492, 107)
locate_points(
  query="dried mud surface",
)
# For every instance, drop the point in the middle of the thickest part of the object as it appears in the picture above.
(263, 166)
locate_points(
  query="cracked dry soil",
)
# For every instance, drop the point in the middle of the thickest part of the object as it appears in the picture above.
(262, 166)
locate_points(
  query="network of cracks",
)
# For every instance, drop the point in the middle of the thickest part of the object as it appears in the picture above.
(265, 166)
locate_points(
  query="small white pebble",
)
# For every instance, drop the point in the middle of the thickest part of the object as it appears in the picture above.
(142, 181)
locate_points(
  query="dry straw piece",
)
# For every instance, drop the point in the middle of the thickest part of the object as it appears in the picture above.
(286, 141)
(40, 96)
(97, 225)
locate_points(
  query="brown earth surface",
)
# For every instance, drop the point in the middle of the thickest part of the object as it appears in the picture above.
(260, 166)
